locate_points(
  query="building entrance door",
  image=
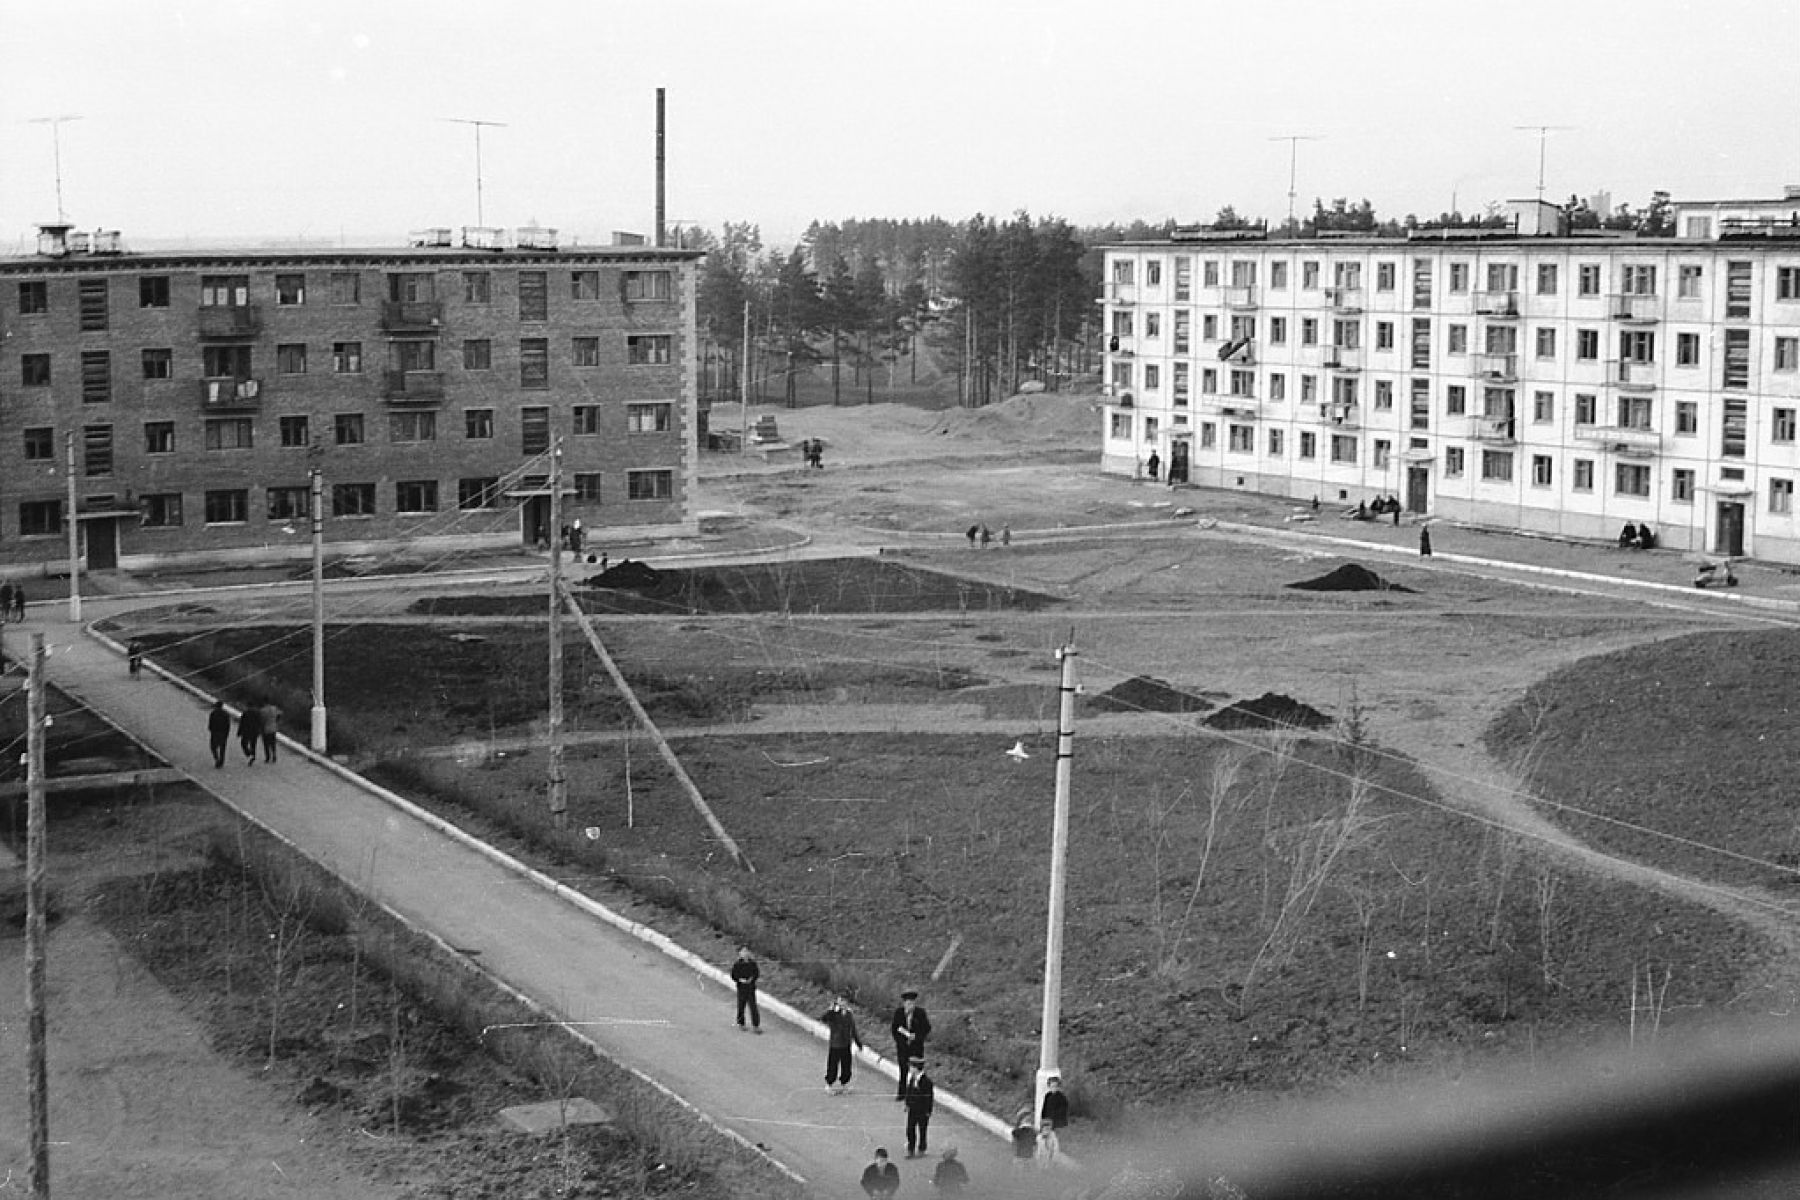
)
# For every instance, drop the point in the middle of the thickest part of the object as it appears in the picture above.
(1418, 489)
(1178, 462)
(1729, 538)
(535, 521)
(102, 543)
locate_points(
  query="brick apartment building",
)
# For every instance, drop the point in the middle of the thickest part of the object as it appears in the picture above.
(195, 393)
(1523, 378)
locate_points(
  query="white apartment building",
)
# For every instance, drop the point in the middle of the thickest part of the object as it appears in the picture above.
(1521, 378)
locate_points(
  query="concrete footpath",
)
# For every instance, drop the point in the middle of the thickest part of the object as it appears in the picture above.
(641, 1001)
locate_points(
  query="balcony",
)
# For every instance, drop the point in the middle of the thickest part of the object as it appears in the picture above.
(1497, 304)
(1340, 415)
(1627, 441)
(1343, 358)
(1120, 293)
(1631, 376)
(1634, 309)
(414, 387)
(1123, 345)
(1241, 351)
(1493, 430)
(1243, 299)
(1120, 396)
(1501, 368)
(229, 394)
(230, 321)
(412, 316)
(1344, 299)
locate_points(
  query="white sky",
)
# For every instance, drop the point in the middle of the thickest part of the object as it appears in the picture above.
(216, 119)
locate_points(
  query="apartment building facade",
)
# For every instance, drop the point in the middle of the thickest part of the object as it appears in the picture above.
(1522, 378)
(190, 396)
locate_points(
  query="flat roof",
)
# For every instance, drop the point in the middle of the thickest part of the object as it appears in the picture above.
(247, 255)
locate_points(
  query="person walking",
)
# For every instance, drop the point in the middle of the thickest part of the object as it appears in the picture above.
(1056, 1103)
(6, 595)
(249, 732)
(840, 1025)
(1048, 1148)
(218, 731)
(1005, 536)
(1424, 542)
(745, 973)
(134, 658)
(18, 602)
(921, 1098)
(911, 1026)
(951, 1177)
(271, 725)
(881, 1178)
(1024, 1139)
(973, 533)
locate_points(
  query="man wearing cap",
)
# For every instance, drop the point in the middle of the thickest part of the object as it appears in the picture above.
(911, 1027)
(921, 1097)
(880, 1178)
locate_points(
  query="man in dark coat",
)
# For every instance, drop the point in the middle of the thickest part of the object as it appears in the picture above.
(921, 1098)
(840, 1025)
(249, 732)
(951, 1177)
(218, 731)
(881, 1178)
(1056, 1104)
(745, 973)
(911, 1026)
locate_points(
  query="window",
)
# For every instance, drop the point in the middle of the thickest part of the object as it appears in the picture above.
(1456, 400)
(346, 358)
(1459, 278)
(1309, 388)
(1587, 279)
(534, 296)
(1153, 273)
(659, 285)
(649, 418)
(1787, 353)
(225, 362)
(534, 363)
(1241, 383)
(227, 506)
(34, 298)
(1637, 280)
(415, 496)
(1637, 346)
(159, 364)
(1781, 495)
(289, 503)
(1209, 327)
(1631, 479)
(1687, 281)
(1278, 332)
(587, 486)
(91, 298)
(1543, 407)
(290, 358)
(1240, 439)
(1458, 339)
(584, 285)
(159, 510)
(1419, 404)
(290, 289)
(1122, 270)
(352, 499)
(1384, 335)
(34, 370)
(1687, 417)
(1497, 466)
(1309, 444)
(1382, 455)
(1687, 349)
(1278, 276)
(478, 423)
(1309, 276)
(1545, 339)
(1583, 470)
(1274, 443)
(39, 443)
(1152, 377)
(1121, 425)
(479, 493)
(1183, 341)
(1503, 277)
(1587, 408)
(230, 433)
(153, 292)
(1179, 384)
(1384, 277)
(1681, 486)
(347, 429)
(534, 429)
(412, 287)
(1787, 283)
(97, 450)
(649, 349)
(412, 427)
(224, 291)
(159, 437)
(1152, 325)
(1546, 279)
(40, 518)
(1453, 461)
(1540, 470)
(585, 420)
(1209, 273)
(1309, 331)
(1184, 278)
(1278, 386)
(1500, 339)
(96, 376)
(1739, 285)
(1587, 345)
(1781, 426)
(478, 287)
(346, 287)
(1735, 367)
(1343, 448)
(1347, 334)
(584, 352)
(649, 485)
(295, 432)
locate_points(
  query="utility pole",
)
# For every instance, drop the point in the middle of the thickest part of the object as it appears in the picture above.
(1293, 141)
(1049, 1048)
(73, 528)
(36, 992)
(56, 124)
(744, 386)
(1543, 132)
(318, 608)
(480, 216)
(559, 783)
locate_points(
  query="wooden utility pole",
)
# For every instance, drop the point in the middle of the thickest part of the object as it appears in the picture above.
(37, 1056)
(1049, 1049)
(559, 782)
(72, 527)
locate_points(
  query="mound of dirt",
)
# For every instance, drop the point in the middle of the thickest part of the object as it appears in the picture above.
(1144, 694)
(627, 575)
(1349, 578)
(1268, 711)
(1036, 417)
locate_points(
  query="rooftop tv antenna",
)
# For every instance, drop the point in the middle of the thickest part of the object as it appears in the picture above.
(1293, 140)
(479, 126)
(56, 124)
(1543, 132)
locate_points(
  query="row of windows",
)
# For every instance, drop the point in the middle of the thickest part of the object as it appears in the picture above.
(238, 362)
(231, 506)
(347, 429)
(1633, 279)
(93, 296)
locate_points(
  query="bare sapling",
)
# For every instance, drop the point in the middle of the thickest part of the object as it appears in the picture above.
(288, 913)
(1222, 788)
